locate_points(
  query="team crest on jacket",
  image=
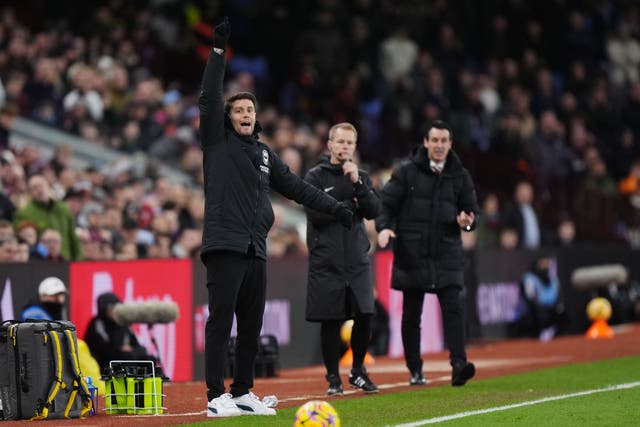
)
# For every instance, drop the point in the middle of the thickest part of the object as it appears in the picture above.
(265, 159)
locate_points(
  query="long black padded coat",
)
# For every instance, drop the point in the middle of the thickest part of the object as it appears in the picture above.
(239, 172)
(421, 207)
(340, 276)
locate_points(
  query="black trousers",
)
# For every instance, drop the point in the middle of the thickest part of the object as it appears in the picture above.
(236, 283)
(452, 323)
(331, 340)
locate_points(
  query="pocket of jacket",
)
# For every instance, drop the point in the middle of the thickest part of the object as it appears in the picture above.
(408, 248)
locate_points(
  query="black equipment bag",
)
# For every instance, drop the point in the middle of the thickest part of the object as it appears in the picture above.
(267, 360)
(40, 373)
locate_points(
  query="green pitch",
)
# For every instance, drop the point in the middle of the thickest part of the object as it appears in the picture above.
(580, 394)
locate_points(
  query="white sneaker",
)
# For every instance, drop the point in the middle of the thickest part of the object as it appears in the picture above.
(223, 406)
(250, 404)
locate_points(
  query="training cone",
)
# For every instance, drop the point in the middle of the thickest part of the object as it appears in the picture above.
(347, 358)
(600, 329)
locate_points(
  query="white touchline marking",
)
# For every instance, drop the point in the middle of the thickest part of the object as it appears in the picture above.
(517, 405)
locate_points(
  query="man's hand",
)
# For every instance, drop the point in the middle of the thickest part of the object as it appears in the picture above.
(384, 236)
(465, 220)
(221, 34)
(344, 215)
(350, 170)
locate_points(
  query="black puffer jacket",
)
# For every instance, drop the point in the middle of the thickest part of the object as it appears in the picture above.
(421, 207)
(339, 258)
(238, 174)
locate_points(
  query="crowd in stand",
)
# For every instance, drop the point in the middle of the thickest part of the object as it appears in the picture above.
(543, 98)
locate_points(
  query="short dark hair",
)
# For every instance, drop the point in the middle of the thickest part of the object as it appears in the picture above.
(438, 124)
(240, 95)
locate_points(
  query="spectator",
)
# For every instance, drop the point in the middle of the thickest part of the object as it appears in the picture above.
(50, 246)
(624, 57)
(398, 54)
(541, 306)
(188, 244)
(7, 208)
(508, 239)
(9, 250)
(51, 301)
(6, 229)
(549, 156)
(566, 234)
(46, 212)
(594, 203)
(84, 102)
(107, 340)
(488, 226)
(520, 215)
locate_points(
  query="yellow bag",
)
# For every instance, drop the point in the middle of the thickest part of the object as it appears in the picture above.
(89, 366)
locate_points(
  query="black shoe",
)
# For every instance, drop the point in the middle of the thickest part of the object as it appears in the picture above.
(462, 372)
(360, 379)
(335, 385)
(417, 378)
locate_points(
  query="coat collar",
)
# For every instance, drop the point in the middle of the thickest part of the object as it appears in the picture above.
(452, 165)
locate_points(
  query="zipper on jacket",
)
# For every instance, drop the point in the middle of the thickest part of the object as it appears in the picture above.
(344, 256)
(434, 271)
(255, 208)
(433, 235)
(255, 211)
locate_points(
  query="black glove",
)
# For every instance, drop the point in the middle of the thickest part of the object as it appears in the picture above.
(221, 33)
(344, 215)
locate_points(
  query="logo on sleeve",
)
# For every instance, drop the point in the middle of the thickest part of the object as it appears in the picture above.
(265, 159)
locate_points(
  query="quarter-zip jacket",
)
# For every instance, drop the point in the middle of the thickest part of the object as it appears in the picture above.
(239, 172)
(421, 207)
(339, 261)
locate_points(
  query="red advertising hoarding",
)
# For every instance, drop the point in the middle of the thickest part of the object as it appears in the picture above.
(141, 281)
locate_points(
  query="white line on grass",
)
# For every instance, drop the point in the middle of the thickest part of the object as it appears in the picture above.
(517, 405)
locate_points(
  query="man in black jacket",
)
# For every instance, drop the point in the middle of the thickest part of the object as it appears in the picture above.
(239, 172)
(428, 200)
(340, 282)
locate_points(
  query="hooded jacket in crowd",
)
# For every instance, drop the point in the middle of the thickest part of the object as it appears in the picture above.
(106, 338)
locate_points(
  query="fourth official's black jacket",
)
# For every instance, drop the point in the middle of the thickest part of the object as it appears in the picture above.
(339, 261)
(239, 172)
(421, 207)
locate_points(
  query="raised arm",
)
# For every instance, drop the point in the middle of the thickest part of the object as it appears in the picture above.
(210, 101)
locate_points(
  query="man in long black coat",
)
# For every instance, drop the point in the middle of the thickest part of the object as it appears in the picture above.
(239, 173)
(340, 281)
(429, 199)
